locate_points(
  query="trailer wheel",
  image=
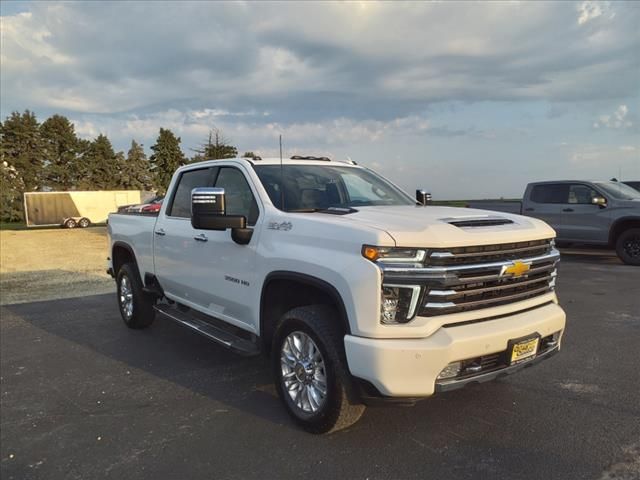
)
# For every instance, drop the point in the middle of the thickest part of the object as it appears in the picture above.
(70, 223)
(84, 222)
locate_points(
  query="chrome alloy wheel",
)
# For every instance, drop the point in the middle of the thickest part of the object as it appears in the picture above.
(126, 297)
(303, 372)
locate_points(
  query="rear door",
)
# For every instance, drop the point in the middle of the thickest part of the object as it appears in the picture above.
(546, 202)
(174, 244)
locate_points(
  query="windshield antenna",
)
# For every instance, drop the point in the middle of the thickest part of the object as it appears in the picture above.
(281, 179)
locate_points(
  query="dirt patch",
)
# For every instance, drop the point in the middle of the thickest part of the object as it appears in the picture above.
(48, 264)
(628, 468)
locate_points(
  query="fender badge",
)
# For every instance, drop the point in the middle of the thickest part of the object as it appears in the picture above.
(285, 226)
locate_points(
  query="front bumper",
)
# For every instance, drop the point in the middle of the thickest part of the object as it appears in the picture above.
(410, 367)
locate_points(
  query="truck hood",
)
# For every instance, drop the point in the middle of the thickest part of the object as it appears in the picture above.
(412, 226)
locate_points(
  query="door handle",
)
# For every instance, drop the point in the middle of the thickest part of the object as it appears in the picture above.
(529, 209)
(160, 232)
(201, 238)
(567, 209)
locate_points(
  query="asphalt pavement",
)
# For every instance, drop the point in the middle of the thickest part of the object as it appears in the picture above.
(84, 397)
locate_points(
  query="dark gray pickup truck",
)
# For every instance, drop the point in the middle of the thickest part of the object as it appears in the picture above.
(582, 212)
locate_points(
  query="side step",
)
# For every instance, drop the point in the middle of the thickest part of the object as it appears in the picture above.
(226, 335)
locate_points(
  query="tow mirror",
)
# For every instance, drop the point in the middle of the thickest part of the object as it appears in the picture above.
(423, 197)
(600, 201)
(208, 211)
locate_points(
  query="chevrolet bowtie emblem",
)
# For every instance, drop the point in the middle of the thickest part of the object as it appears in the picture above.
(516, 269)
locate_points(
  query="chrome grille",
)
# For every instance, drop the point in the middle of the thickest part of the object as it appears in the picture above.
(475, 280)
(488, 253)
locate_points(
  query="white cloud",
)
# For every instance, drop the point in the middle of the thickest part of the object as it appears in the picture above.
(617, 120)
(590, 10)
(195, 124)
(110, 57)
(604, 156)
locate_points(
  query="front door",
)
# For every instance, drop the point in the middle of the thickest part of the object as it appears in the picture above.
(583, 221)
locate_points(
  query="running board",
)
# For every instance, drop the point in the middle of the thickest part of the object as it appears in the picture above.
(220, 334)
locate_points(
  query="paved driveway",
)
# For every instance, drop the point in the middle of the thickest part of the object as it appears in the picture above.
(84, 397)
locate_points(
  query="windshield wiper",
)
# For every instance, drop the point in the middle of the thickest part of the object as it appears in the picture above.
(330, 210)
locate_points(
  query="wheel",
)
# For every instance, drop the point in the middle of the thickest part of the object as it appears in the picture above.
(70, 223)
(136, 307)
(628, 246)
(84, 222)
(310, 370)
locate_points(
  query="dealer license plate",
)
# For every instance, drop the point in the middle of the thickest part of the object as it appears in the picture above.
(524, 349)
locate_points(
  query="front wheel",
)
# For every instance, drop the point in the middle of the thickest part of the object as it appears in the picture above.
(310, 370)
(628, 246)
(84, 222)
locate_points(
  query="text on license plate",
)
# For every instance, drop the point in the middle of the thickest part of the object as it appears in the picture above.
(525, 349)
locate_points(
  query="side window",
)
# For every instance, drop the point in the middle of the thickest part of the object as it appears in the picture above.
(550, 193)
(238, 196)
(581, 194)
(181, 203)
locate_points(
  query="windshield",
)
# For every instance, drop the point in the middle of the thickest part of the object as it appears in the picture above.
(318, 187)
(619, 190)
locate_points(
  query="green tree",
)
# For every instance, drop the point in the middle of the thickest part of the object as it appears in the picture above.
(215, 148)
(22, 148)
(99, 165)
(166, 158)
(134, 171)
(60, 145)
(11, 189)
(249, 155)
(21, 161)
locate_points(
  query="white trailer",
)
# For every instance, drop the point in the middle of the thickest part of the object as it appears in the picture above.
(77, 208)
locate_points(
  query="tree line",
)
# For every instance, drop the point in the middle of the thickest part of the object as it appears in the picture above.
(49, 156)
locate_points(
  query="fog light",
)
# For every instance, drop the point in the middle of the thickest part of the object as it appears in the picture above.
(398, 303)
(552, 341)
(451, 370)
(389, 304)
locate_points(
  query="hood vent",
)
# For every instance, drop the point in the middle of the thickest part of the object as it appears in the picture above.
(479, 222)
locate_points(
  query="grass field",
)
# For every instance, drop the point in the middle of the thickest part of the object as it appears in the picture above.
(45, 264)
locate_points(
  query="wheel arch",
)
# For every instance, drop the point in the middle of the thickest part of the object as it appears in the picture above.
(122, 253)
(620, 225)
(284, 290)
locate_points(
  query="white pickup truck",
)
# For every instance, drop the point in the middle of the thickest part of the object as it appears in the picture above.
(357, 292)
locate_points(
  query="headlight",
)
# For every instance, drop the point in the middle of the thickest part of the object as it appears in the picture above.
(387, 255)
(397, 302)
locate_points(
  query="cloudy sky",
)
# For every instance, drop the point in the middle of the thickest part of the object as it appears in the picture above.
(471, 100)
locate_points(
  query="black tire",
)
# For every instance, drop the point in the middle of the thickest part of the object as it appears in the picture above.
(628, 246)
(84, 222)
(139, 313)
(70, 223)
(340, 407)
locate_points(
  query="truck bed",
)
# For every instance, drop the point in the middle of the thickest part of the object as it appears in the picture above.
(135, 231)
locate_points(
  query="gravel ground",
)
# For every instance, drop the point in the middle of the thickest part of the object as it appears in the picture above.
(52, 264)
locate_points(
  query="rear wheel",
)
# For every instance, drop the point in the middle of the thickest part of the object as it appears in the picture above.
(136, 307)
(628, 246)
(310, 370)
(84, 222)
(70, 223)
